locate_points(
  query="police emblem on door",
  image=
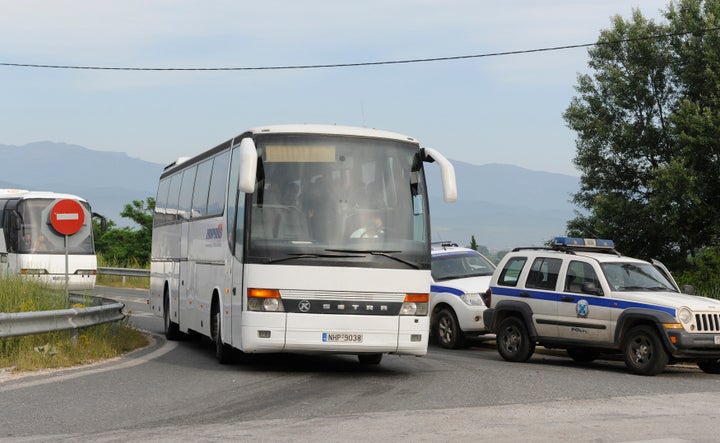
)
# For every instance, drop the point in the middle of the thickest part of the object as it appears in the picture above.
(582, 308)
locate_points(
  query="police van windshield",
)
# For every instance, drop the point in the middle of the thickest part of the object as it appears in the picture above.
(635, 277)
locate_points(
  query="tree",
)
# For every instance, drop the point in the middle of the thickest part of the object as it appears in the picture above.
(126, 246)
(647, 127)
(473, 243)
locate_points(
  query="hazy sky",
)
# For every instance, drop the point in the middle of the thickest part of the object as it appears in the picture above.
(505, 109)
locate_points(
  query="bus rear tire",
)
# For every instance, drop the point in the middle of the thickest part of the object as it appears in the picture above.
(370, 359)
(172, 330)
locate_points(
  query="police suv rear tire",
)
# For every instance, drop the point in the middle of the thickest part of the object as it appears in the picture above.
(644, 352)
(513, 341)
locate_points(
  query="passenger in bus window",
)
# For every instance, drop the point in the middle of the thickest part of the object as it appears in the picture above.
(290, 194)
(374, 230)
(41, 244)
(26, 243)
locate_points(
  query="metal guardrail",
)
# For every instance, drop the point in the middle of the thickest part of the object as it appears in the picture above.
(38, 322)
(125, 272)
(101, 311)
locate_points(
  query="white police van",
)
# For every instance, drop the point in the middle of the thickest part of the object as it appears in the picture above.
(461, 276)
(583, 296)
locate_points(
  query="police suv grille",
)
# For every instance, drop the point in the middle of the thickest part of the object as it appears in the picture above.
(707, 322)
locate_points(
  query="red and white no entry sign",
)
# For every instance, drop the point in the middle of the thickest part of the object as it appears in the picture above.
(67, 216)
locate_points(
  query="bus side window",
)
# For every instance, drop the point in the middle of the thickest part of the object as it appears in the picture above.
(173, 198)
(186, 193)
(202, 185)
(216, 197)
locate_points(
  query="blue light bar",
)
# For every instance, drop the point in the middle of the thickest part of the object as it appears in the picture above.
(584, 242)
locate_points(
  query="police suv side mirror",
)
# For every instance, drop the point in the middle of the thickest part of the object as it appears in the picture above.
(590, 288)
(688, 289)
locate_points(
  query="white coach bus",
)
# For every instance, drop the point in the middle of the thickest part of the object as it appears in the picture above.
(298, 238)
(30, 246)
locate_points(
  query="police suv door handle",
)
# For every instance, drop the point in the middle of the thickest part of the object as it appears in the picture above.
(525, 294)
(568, 298)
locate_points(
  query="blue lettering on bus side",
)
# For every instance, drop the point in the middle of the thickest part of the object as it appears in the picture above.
(214, 233)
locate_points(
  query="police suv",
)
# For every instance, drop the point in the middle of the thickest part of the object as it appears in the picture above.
(582, 296)
(461, 277)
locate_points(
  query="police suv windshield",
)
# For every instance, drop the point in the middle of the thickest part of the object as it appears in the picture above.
(464, 265)
(635, 277)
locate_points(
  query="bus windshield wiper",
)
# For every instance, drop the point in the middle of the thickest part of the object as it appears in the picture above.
(296, 256)
(387, 254)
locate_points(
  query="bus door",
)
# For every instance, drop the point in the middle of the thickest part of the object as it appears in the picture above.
(232, 298)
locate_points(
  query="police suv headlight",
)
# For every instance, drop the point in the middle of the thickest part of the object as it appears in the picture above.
(473, 299)
(685, 315)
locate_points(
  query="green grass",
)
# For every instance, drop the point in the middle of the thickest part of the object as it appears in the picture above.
(60, 348)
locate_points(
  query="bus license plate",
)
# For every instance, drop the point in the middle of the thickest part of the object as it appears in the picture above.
(340, 337)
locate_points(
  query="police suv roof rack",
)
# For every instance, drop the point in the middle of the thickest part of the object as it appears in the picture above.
(573, 244)
(532, 248)
(444, 244)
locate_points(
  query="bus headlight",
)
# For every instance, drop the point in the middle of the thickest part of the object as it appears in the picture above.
(264, 300)
(34, 271)
(86, 272)
(415, 304)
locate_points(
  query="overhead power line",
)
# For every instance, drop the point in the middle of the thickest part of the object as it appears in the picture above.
(358, 64)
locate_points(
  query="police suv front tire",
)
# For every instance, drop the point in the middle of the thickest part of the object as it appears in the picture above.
(644, 352)
(513, 340)
(447, 330)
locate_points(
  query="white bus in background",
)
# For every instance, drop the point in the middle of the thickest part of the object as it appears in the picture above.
(298, 238)
(30, 246)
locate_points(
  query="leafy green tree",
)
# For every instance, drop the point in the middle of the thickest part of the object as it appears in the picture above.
(128, 246)
(648, 125)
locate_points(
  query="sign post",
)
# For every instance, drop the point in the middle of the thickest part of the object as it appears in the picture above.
(67, 217)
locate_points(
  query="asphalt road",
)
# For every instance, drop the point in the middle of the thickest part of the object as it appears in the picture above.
(176, 391)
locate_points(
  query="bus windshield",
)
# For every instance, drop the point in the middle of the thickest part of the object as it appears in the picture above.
(35, 235)
(338, 201)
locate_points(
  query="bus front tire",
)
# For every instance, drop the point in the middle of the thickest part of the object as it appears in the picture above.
(223, 352)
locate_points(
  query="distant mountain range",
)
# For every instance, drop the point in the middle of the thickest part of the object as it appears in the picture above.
(501, 205)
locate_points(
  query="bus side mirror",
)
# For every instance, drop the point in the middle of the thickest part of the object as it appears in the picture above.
(447, 173)
(103, 221)
(248, 166)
